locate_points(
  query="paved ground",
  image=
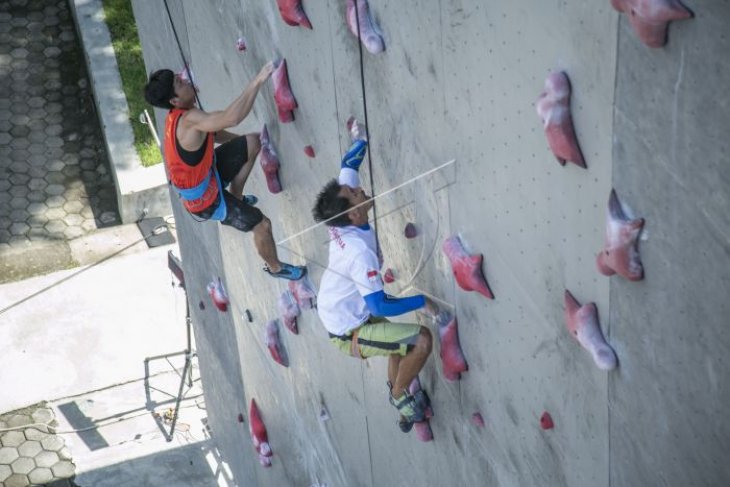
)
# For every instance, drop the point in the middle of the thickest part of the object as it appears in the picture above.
(54, 179)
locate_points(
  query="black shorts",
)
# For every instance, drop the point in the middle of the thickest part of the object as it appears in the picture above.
(230, 158)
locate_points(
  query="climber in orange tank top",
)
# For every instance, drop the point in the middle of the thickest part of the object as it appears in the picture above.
(209, 179)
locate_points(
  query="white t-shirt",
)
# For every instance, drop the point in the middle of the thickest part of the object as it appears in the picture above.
(353, 271)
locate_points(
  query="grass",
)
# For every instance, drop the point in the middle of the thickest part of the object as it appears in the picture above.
(120, 21)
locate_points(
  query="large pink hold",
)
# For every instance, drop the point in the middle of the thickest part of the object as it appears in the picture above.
(304, 293)
(423, 428)
(273, 343)
(650, 18)
(582, 322)
(620, 255)
(369, 31)
(289, 311)
(260, 439)
(218, 294)
(284, 98)
(467, 268)
(452, 358)
(553, 106)
(292, 13)
(269, 162)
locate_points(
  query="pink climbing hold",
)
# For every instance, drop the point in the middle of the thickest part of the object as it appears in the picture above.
(289, 310)
(410, 231)
(304, 293)
(546, 421)
(218, 294)
(241, 44)
(273, 342)
(467, 268)
(477, 420)
(582, 322)
(452, 357)
(260, 439)
(620, 254)
(650, 18)
(269, 162)
(309, 151)
(355, 130)
(553, 106)
(369, 32)
(284, 98)
(293, 14)
(422, 428)
(388, 276)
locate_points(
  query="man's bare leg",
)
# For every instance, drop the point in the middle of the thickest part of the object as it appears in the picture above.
(254, 146)
(264, 241)
(410, 365)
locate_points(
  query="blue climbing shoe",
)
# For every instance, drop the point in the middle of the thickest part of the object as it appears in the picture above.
(288, 271)
(250, 199)
(355, 154)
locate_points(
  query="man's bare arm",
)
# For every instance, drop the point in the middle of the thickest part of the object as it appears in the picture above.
(236, 111)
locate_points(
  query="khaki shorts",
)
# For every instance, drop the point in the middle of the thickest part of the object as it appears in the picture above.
(378, 336)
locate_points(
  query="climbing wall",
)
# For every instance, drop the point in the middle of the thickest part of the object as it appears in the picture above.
(459, 81)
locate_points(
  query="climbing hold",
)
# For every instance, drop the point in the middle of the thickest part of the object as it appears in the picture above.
(355, 130)
(293, 14)
(240, 417)
(289, 310)
(260, 439)
(546, 421)
(274, 343)
(201, 305)
(323, 414)
(284, 98)
(650, 18)
(582, 322)
(186, 74)
(477, 420)
(553, 106)
(269, 162)
(241, 44)
(620, 255)
(369, 32)
(422, 428)
(249, 316)
(218, 294)
(309, 151)
(452, 358)
(304, 293)
(388, 275)
(467, 268)
(410, 231)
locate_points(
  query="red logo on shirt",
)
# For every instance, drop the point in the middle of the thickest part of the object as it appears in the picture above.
(372, 275)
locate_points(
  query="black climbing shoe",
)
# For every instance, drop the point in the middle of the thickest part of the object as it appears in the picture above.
(408, 408)
(405, 425)
(288, 271)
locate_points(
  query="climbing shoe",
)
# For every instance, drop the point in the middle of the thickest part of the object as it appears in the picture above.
(250, 199)
(355, 154)
(288, 271)
(407, 406)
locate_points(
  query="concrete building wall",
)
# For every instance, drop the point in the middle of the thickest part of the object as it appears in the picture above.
(459, 80)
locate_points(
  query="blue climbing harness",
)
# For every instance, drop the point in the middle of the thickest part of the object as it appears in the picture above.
(197, 192)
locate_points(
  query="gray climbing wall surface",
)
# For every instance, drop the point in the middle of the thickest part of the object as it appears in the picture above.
(458, 81)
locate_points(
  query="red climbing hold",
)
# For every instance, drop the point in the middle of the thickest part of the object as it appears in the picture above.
(423, 428)
(304, 293)
(582, 322)
(546, 422)
(355, 130)
(410, 231)
(388, 276)
(467, 268)
(553, 106)
(650, 18)
(452, 357)
(274, 343)
(369, 31)
(218, 294)
(477, 420)
(292, 13)
(289, 310)
(309, 151)
(620, 255)
(284, 98)
(269, 162)
(260, 439)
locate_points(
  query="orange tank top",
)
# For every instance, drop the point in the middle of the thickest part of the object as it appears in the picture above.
(184, 176)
